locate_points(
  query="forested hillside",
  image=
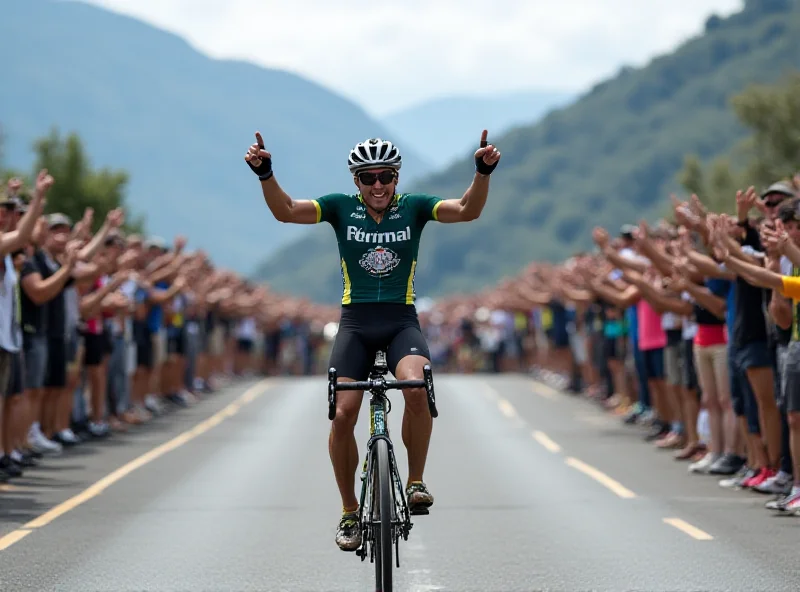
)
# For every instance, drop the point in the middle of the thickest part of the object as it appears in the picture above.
(611, 157)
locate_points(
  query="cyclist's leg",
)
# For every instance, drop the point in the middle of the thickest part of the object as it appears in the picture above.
(352, 361)
(406, 356)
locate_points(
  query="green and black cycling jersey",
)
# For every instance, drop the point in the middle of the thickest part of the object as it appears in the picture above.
(378, 261)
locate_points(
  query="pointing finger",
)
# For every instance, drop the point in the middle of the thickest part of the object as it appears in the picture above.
(484, 135)
(259, 139)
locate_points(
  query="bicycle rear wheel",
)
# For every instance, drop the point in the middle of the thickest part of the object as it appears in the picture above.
(384, 554)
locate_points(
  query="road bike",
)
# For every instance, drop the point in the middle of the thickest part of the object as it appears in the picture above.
(383, 513)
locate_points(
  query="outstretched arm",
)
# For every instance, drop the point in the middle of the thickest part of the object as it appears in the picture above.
(470, 206)
(282, 206)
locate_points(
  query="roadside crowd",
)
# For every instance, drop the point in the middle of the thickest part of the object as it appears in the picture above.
(101, 331)
(690, 328)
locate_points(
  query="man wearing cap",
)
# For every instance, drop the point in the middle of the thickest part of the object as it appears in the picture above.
(60, 329)
(779, 201)
(10, 328)
(42, 281)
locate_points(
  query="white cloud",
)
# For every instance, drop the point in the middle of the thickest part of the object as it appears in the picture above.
(389, 54)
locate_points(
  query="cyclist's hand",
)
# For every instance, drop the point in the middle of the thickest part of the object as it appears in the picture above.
(486, 157)
(258, 159)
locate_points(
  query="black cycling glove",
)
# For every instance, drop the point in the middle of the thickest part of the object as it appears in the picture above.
(482, 167)
(264, 170)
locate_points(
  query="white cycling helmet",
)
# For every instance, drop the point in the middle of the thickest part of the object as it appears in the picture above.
(374, 153)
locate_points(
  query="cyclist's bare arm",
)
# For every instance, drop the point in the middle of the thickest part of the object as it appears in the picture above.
(470, 206)
(286, 209)
(283, 207)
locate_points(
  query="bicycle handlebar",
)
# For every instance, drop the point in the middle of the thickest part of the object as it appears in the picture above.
(380, 385)
(383, 384)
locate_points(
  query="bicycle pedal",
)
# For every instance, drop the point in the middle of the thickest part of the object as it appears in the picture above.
(419, 511)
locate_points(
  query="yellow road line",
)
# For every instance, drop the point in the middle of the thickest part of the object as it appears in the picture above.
(13, 488)
(507, 409)
(544, 391)
(545, 441)
(13, 537)
(601, 478)
(97, 488)
(687, 528)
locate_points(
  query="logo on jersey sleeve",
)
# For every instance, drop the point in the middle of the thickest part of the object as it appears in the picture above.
(379, 261)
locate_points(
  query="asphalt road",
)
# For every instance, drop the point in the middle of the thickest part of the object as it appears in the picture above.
(534, 490)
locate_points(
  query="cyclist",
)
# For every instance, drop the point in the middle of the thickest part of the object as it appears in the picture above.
(378, 231)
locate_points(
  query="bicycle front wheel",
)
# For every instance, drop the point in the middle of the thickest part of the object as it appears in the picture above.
(384, 554)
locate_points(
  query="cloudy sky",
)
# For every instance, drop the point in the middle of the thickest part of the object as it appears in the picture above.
(391, 54)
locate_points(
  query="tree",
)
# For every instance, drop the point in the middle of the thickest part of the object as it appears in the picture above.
(771, 153)
(77, 185)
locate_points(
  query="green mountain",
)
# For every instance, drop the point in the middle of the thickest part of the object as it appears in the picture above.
(609, 158)
(443, 130)
(179, 122)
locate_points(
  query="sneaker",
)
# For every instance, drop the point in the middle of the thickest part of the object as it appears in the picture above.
(177, 399)
(419, 498)
(23, 459)
(348, 534)
(66, 438)
(776, 503)
(40, 443)
(792, 504)
(736, 481)
(779, 484)
(762, 475)
(727, 464)
(786, 503)
(646, 417)
(702, 465)
(99, 430)
(9, 467)
(153, 405)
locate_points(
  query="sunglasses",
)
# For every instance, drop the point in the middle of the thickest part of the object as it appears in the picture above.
(774, 203)
(385, 177)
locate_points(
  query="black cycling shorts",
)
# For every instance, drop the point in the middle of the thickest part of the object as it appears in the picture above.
(365, 328)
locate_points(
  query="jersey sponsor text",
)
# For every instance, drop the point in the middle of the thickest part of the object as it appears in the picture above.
(360, 236)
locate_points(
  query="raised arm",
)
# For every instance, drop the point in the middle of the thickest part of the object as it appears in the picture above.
(282, 206)
(17, 239)
(753, 274)
(471, 204)
(703, 296)
(114, 219)
(43, 290)
(657, 298)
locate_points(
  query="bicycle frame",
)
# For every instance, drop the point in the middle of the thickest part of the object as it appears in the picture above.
(379, 408)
